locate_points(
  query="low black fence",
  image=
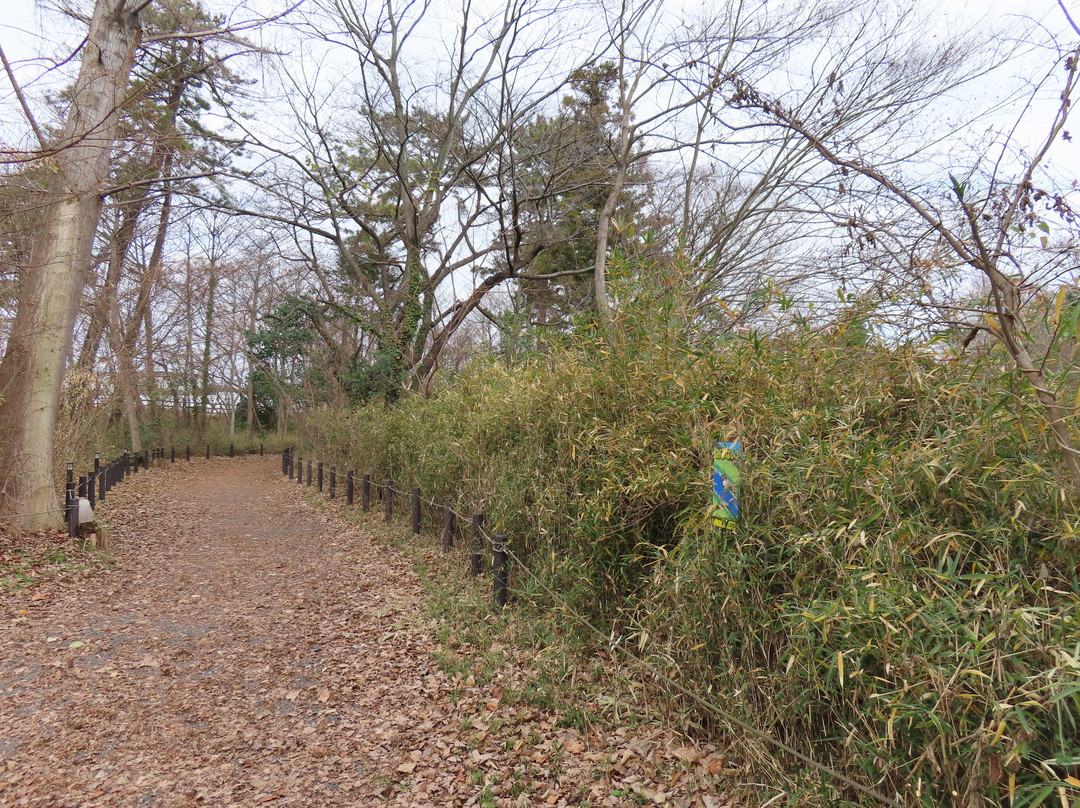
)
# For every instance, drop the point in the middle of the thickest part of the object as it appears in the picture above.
(97, 482)
(292, 466)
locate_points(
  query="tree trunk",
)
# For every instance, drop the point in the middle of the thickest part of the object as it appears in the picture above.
(127, 218)
(205, 371)
(250, 413)
(125, 374)
(33, 366)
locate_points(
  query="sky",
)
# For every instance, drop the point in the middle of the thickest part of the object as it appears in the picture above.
(34, 37)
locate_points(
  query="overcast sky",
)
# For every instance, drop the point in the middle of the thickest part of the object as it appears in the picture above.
(34, 38)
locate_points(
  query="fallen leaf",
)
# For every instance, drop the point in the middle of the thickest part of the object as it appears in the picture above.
(687, 753)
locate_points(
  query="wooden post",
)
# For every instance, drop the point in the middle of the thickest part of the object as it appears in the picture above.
(299, 471)
(135, 461)
(127, 463)
(349, 488)
(69, 497)
(208, 451)
(333, 480)
(388, 499)
(172, 453)
(69, 485)
(309, 471)
(448, 526)
(499, 570)
(416, 511)
(82, 486)
(72, 514)
(474, 556)
(104, 482)
(365, 493)
(320, 477)
(231, 450)
(92, 490)
(260, 450)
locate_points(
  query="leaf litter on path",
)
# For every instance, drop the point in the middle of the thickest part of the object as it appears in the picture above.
(249, 647)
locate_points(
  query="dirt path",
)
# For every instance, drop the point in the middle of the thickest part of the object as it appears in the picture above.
(253, 648)
(245, 653)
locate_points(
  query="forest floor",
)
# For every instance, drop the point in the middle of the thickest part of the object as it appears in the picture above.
(244, 643)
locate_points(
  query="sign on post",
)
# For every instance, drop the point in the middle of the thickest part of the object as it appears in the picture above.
(725, 513)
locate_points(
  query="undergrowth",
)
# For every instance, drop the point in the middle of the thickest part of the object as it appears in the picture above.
(901, 599)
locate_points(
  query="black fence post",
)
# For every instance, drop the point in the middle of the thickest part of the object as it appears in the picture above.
(474, 557)
(91, 490)
(499, 570)
(319, 474)
(299, 471)
(349, 488)
(448, 526)
(260, 450)
(333, 481)
(82, 487)
(72, 514)
(135, 461)
(231, 450)
(309, 471)
(69, 496)
(388, 499)
(104, 482)
(365, 493)
(208, 451)
(416, 510)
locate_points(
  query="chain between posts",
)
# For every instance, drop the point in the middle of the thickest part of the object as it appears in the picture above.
(502, 553)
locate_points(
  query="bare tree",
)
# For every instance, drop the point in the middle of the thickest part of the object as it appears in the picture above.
(406, 200)
(985, 218)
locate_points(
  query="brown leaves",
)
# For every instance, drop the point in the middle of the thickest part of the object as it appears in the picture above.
(245, 655)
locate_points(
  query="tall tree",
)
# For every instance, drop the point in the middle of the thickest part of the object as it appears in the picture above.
(164, 148)
(32, 369)
(405, 183)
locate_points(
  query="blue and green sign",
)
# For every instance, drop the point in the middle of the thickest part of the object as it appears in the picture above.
(725, 513)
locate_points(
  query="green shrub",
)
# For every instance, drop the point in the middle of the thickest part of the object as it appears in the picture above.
(901, 597)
